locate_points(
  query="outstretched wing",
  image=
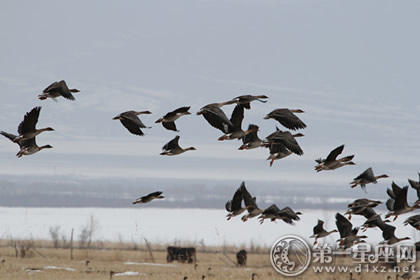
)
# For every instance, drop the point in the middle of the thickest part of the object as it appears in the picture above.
(171, 145)
(334, 153)
(29, 121)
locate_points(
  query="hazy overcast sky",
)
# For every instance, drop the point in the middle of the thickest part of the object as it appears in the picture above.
(351, 65)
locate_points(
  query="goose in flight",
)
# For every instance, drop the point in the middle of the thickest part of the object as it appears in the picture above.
(27, 147)
(57, 89)
(388, 233)
(320, 232)
(216, 117)
(374, 221)
(348, 234)
(131, 121)
(27, 128)
(365, 178)
(414, 221)
(282, 144)
(362, 206)
(168, 120)
(250, 204)
(234, 206)
(235, 131)
(416, 185)
(331, 162)
(397, 204)
(149, 197)
(251, 140)
(246, 100)
(172, 148)
(286, 214)
(287, 118)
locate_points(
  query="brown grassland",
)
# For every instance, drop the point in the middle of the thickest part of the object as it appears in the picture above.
(43, 262)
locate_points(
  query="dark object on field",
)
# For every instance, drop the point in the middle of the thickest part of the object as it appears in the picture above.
(181, 254)
(241, 257)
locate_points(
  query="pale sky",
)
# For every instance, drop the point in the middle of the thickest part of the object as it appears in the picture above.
(351, 66)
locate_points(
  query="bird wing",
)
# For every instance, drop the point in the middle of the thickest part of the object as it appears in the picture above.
(181, 110)
(368, 212)
(237, 199)
(64, 90)
(390, 193)
(237, 117)
(272, 209)
(388, 231)
(10, 136)
(248, 199)
(228, 206)
(278, 148)
(367, 174)
(53, 86)
(334, 153)
(390, 204)
(343, 225)
(171, 145)
(29, 121)
(169, 125)
(252, 136)
(395, 188)
(132, 126)
(319, 227)
(288, 212)
(217, 118)
(155, 194)
(401, 199)
(287, 139)
(287, 119)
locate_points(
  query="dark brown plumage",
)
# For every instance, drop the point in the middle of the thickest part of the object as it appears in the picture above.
(57, 89)
(131, 121)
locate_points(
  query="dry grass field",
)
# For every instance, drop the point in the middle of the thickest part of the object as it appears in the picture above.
(52, 264)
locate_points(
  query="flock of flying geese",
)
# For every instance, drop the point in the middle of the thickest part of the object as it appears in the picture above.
(280, 144)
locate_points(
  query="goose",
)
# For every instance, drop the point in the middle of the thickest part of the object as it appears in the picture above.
(234, 206)
(374, 221)
(287, 118)
(27, 128)
(251, 140)
(168, 120)
(27, 147)
(279, 151)
(58, 89)
(414, 221)
(269, 213)
(388, 233)
(397, 204)
(287, 139)
(251, 205)
(365, 178)
(286, 214)
(320, 232)
(172, 148)
(245, 100)
(282, 144)
(362, 210)
(149, 197)
(348, 234)
(235, 131)
(416, 185)
(331, 162)
(131, 121)
(216, 117)
(364, 202)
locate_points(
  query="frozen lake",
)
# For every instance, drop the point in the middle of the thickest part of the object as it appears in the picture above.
(164, 226)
